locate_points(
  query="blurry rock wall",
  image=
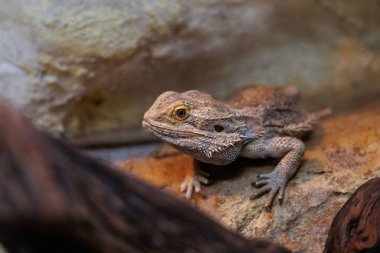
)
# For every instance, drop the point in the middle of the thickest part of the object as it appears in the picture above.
(77, 67)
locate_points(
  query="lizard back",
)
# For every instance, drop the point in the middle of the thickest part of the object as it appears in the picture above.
(279, 109)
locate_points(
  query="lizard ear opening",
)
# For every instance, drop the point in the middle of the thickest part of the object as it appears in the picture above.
(218, 128)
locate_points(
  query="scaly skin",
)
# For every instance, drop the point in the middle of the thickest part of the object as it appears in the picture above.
(256, 122)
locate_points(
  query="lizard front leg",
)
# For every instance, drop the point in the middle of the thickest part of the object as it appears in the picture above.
(193, 180)
(291, 151)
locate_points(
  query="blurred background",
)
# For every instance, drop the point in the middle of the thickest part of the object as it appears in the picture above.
(80, 67)
(89, 69)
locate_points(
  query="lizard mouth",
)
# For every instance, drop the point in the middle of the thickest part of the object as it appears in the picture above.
(145, 125)
(166, 130)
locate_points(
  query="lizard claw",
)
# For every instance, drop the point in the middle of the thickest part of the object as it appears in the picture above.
(191, 184)
(271, 183)
(281, 194)
(264, 176)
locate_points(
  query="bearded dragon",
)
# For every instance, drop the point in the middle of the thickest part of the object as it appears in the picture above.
(256, 122)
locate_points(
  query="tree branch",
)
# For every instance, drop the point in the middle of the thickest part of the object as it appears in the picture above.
(55, 199)
(356, 227)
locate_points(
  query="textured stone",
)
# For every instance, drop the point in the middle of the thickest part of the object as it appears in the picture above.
(343, 153)
(77, 67)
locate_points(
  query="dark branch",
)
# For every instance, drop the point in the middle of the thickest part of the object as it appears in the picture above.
(54, 199)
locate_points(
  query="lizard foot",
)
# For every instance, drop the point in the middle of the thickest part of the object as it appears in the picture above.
(193, 183)
(273, 183)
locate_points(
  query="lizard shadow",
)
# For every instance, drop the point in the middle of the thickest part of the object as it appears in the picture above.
(237, 168)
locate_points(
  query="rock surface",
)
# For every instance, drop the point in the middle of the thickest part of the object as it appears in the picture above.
(78, 67)
(342, 154)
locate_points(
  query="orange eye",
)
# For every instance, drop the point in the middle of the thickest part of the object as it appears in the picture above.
(181, 112)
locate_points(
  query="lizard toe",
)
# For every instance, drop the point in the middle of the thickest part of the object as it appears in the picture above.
(265, 175)
(260, 183)
(281, 194)
(271, 197)
(190, 185)
(197, 186)
(260, 192)
(183, 186)
(203, 180)
(189, 191)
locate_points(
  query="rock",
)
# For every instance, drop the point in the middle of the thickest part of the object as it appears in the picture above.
(77, 68)
(342, 154)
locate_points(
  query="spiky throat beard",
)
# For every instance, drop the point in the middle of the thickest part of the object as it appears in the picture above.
(194, 141)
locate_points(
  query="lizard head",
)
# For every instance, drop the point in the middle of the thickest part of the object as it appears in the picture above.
(195, 123)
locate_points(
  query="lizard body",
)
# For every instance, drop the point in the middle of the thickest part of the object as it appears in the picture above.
(256, 122)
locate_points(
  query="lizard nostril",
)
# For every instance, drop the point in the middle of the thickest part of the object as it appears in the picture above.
(218, 128)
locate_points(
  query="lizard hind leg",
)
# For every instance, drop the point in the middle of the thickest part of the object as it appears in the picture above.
(274, 183)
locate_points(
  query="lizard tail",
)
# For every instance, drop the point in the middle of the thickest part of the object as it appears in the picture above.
(300, 129)
(323, 113)
(317, 116)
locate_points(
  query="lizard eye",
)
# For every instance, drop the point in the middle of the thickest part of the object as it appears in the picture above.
(181, 112)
